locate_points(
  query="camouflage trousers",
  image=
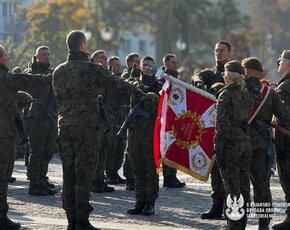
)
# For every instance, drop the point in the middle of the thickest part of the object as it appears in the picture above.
(218, 190)
(79, 148)
(142, 158)
(234, 164)
(7, 157)
(115, 153)
(260, 177)
(42, 134)
(101, 160)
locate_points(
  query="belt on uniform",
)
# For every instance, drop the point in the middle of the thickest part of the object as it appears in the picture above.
(79, 101)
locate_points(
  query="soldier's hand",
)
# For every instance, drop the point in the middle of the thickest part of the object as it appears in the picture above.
(148, 71)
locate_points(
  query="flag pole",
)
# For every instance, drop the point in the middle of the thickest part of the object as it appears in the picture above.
(160, 74)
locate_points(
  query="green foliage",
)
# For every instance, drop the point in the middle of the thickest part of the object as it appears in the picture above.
(198, 23)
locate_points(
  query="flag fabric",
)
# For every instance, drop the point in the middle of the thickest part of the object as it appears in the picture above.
(184, 129)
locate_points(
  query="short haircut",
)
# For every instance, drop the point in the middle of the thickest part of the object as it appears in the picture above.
(167, 57)
(74, 40)
(227, 44)
(112, 59)
(130, 57)
(96, 53)
(148, 58)
(41, 48)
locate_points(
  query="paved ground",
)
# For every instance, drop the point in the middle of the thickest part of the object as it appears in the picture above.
(175, 208)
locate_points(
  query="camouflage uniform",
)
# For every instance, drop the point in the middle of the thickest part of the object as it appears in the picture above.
(9, 85)
(204, 80)
(41, 123)
(140, 141)
(232, 147)
(130, 75)
(283, 144)
(260, 142)
(116, 148)
(99, 184)
(77, 84)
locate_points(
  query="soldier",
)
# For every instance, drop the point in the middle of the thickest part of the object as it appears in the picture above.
(232, 147)
(114, 64)
(260, 135)
(131, 73)
(283, 141)
(169, 174)
(41, 124)
(133, 66)
(116, 149)
(99, 185)
(77, 84)
(141, 142)
(10, 84)
(204, 80)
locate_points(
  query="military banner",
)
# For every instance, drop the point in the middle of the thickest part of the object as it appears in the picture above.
(184, 129)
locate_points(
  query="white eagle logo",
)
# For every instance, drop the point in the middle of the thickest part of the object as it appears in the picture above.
(235, 209)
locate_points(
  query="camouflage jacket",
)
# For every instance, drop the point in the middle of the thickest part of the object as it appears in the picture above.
(45, 101)
(259, 127)
(9, 85)
(233, 106)
(130, 73)
(77, 84)
(283, 90)
(206, 78)
(147, 84)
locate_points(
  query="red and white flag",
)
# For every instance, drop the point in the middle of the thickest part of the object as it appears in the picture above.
(184, 129)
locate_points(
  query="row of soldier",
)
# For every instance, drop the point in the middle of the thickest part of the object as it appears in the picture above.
(244, 143)
(88, 123)
(91, 111)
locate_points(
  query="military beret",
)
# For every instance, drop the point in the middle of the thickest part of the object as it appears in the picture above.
(252, 63)
(234, 66)
(286, 54)
(24, 97)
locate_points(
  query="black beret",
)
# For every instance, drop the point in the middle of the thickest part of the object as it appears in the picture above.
(252, 63)
(234, 66)
(286, 54)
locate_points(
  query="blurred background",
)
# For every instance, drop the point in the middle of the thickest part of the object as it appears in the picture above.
(187, 28)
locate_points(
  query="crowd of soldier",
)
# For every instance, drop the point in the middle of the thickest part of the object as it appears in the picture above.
(89, 98)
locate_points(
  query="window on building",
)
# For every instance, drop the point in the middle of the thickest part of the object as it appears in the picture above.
(142, 46)
(126, 48)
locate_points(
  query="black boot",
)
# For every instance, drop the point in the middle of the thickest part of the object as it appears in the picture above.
(112, 180)
(108, 188)
(6, 223)
(180, 184)
(71, 225)
(130, 185)
(36, 189)
(85, 225)
(139, 206)
(149, 209)
(169, 182)
(120, 179)
(12, 179)
(50, 191)
(216, 212)
(50, 185)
